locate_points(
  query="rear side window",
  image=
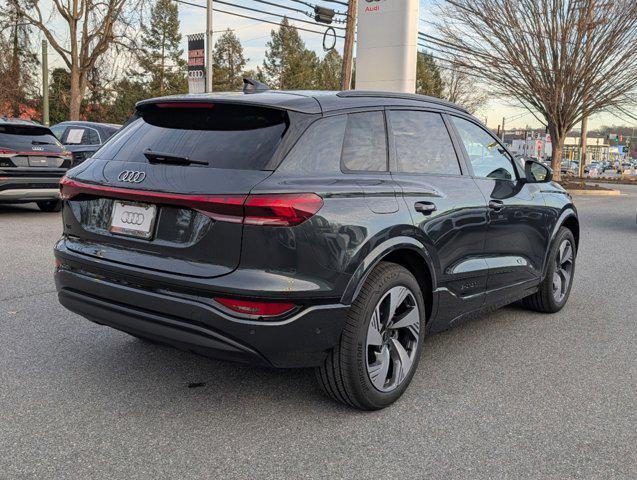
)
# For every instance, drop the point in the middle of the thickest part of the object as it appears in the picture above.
(422, 143)
(25, 138)
(81, 136)
(365, 143)
(319, 149)
(224, 135)
(58, 131)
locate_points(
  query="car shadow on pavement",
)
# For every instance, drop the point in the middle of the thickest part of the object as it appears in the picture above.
(151, 376)
(154, 375)
(20, 208)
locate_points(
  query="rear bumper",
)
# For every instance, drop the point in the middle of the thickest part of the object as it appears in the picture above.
(29, 194)
(191, 324)
(22, 187)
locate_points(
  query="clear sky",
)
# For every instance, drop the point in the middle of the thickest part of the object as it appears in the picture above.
(254, 36)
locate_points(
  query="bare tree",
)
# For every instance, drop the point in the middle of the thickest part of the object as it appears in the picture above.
(562, 59)
(93, 27)
(461, 88)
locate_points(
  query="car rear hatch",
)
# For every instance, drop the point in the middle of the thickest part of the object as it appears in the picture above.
(31, 149)
(166, 193)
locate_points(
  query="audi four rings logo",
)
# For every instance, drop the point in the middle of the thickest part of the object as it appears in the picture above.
(131, 176)
(132, 218)
(196, 74)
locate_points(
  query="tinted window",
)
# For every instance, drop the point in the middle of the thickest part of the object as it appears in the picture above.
(365, 143)
(319, 149)
(91, 137)
(75, 136)
(224, 135)
(58, 131)
(24, 138)
(422, 143)
(486, 155)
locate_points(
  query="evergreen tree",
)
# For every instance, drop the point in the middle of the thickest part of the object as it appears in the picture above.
(18, 64)
(228, 62)
(59, 97)
(129, 92)
(288, 64)
(328, 75)
(428, 79)
(159, 55)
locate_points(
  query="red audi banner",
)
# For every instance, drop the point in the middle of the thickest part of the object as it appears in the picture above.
(196, 63)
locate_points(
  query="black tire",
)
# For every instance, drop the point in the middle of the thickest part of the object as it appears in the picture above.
(344, 375)
(544, 299)
(50, 205)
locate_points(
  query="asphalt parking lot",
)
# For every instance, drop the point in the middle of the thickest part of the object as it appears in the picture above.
(513, 394)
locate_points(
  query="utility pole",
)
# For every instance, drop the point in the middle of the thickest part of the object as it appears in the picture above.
(348, 49)
(503, 118)
(45, 83)
(209, 46)
(582, 145)
(584, 133)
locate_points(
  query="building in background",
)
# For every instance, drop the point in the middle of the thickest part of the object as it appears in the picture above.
(597, 147)
(530, 143)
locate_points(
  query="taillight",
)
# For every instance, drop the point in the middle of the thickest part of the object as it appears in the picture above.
(226, 208)
(257, 309)
(66, 154)
(277, 210)
(5, 152)
(284, 209)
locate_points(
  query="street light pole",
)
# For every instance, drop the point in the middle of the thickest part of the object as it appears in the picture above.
(209, 46)
(45, 84)
(348, 49)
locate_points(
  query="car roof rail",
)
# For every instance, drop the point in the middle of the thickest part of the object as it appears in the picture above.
(403, 96)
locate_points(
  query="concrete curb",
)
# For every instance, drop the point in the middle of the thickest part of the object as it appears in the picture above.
(601, 193)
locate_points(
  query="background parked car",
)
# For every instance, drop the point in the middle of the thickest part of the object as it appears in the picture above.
(83, 139)
(569, 167)
(32, 161)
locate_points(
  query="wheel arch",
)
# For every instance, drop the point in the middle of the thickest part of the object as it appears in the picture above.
(572, 223)
(567, 219)
(407, 252)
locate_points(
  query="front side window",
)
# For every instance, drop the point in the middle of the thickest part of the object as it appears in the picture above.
(488, 158)
(365, 143)
(422, 143)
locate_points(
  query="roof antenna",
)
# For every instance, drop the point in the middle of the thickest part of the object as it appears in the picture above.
(253, 86)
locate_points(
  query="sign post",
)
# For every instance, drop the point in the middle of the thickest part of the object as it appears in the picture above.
(196, 63)
(387, 45)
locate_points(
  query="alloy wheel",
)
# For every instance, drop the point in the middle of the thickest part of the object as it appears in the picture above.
(563, 270)
(392, 339)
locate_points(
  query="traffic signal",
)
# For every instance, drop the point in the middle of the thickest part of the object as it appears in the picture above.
(323, 15)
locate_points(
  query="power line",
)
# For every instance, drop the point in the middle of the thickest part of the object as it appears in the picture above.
(236, 14)
(292, 9)
(270, 13)
(327, 1)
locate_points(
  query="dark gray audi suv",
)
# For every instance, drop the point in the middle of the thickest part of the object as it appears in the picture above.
(310, 229)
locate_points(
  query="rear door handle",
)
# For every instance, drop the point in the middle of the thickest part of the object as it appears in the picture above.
(426, 208)
(496, 205)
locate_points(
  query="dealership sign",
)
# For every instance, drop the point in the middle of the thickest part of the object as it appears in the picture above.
(196, 63)
(387, 45)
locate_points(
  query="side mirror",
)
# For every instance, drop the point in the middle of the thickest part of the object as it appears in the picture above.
(535, 172)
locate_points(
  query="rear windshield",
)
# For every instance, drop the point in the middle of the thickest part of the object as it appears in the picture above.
(23, 138)
(224, 135)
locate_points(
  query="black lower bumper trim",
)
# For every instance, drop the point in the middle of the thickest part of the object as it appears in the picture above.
(301, 342)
